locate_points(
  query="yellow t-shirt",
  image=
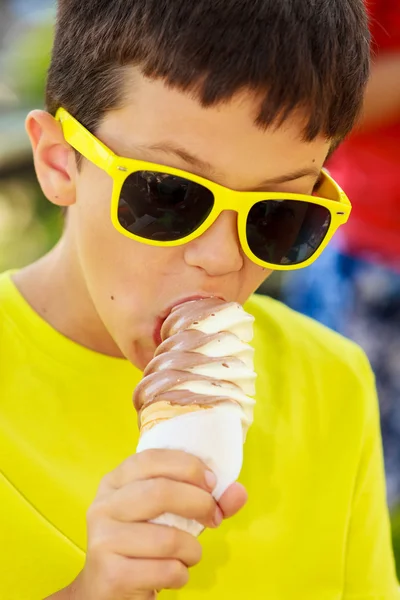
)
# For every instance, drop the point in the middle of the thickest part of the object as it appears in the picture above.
(316, 525)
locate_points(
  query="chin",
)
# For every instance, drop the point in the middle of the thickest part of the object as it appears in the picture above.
(140, 354)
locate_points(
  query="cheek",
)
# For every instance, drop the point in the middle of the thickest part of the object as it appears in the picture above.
(100, 248)
(123, 276)
(252, 277)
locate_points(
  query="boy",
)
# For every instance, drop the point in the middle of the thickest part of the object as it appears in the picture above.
(252, 97)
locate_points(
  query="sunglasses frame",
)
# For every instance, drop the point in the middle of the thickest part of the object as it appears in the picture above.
(119, 169)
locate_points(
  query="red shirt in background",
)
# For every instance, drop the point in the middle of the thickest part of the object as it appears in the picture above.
(367, 165)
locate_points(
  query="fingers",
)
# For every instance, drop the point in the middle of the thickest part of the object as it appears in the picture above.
(171, 464)
(233, 500)
(146, 540)
(123, 575)
(146, 500)
(128, 555)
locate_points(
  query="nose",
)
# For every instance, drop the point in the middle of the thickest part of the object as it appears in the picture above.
(217, 251)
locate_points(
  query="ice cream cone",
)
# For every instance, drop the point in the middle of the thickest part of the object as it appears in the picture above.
(196, 394)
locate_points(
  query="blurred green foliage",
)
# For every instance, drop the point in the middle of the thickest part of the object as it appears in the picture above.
(396, 537)
(29, 224)
(27, 61)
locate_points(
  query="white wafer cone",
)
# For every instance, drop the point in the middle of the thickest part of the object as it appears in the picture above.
(215, 436)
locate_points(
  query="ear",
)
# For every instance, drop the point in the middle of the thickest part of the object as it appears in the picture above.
(54, 159)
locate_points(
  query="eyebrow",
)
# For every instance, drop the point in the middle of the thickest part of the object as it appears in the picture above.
(314, 172)
(183, 154)
(209, 170)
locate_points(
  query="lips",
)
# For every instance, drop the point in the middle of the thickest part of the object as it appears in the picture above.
(160, 320)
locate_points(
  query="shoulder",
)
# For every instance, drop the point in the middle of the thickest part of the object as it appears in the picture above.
(314, 385)
(6, 292)
(292, 345)
(9, 305)
(277, 323)
(5, 284)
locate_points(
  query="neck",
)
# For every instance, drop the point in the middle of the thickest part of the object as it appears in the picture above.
(55, 288)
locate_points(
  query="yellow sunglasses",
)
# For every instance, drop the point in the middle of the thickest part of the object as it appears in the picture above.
(163, 206)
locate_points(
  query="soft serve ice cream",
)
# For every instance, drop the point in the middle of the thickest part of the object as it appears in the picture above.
(196, 393)
(205, 361)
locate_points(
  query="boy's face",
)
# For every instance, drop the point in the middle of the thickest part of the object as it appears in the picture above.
(132, 285)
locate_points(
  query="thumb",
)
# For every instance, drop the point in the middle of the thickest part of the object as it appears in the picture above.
(233, 500)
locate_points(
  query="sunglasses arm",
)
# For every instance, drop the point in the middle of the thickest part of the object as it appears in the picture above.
(85, 143)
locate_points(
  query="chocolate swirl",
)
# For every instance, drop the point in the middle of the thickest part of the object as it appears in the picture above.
(192, 313)
(204, 360)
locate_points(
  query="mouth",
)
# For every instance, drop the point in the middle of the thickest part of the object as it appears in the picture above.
(160, 319)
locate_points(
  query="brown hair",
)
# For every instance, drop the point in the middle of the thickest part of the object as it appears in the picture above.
(309, 54)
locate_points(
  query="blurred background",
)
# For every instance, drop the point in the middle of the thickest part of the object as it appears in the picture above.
(354, 288)
(28, 224)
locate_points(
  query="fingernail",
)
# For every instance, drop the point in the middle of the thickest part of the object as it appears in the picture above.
(211, 480)
(218, 518)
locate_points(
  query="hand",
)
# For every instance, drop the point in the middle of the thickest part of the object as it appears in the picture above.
(128, 557)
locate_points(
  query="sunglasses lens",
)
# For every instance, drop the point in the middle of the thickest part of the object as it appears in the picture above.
(286, 232)
(162, 207)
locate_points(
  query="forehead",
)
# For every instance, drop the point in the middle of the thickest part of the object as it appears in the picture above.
(226, 135)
